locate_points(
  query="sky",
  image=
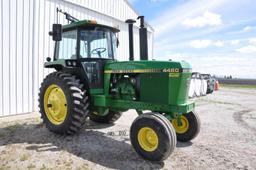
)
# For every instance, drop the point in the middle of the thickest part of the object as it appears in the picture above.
(214, 36)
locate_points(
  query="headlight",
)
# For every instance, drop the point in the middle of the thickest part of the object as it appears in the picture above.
(74, 63)
(69, 63)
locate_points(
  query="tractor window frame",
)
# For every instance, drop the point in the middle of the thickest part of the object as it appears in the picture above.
(111, 43)
(57, 45)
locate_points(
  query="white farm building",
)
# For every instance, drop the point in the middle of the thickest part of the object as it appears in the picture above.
(25, 43)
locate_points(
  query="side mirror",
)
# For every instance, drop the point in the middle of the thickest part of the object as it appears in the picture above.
(56, 32)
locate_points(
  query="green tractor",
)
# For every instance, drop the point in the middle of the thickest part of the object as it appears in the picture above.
(89, 82)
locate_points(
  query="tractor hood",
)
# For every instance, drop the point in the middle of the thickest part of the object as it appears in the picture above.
(147, 67)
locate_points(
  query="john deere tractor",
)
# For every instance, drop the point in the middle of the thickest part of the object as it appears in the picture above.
(89, 82)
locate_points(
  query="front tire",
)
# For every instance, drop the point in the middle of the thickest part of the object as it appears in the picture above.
(153, 137)
(63, 103)
(190, 127)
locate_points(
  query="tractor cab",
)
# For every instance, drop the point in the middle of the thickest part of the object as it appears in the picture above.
(88, 45)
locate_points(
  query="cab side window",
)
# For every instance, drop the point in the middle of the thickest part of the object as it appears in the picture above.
(67, 47)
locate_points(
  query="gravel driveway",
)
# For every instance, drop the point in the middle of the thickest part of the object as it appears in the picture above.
(227, 140)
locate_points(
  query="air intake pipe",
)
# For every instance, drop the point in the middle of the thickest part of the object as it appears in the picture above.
(143, 39)
(130, 23)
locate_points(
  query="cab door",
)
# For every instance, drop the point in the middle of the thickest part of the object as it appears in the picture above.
(94, 69)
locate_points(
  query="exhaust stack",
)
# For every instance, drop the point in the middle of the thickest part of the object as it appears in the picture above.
(130, 23)
(143, 39)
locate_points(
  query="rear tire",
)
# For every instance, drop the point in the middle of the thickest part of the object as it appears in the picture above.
(192, 128)
(153, 137)
(110, 118)
(76, 103)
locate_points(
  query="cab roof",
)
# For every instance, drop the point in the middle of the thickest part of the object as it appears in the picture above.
(87, 23)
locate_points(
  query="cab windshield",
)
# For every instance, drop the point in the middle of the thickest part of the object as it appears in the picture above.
(97, 43)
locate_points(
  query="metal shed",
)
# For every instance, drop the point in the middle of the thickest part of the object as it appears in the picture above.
(24, 43)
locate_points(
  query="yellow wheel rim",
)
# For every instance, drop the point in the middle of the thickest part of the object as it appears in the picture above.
(148, 139)
(183, 128)
(55, 104)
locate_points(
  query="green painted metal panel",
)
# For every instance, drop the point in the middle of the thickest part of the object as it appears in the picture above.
(138, 65)
(84, 23)
(108, 102)
(179, 87)
(96, 91)
(154, 88)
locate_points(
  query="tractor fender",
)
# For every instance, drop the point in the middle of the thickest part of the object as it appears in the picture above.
(80, 74)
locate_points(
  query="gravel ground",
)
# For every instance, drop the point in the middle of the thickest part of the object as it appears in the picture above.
(227, 140)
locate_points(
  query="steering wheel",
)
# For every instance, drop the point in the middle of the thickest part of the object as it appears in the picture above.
(98, 51)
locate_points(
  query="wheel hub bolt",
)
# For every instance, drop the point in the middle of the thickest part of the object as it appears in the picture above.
(49, 105)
